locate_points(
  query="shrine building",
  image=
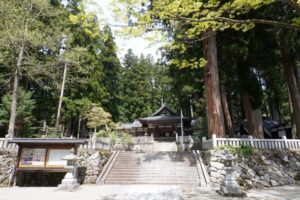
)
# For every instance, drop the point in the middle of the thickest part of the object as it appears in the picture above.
(162, 124)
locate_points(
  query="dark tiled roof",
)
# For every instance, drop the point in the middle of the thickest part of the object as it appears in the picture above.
(46, 141)
(164, 107)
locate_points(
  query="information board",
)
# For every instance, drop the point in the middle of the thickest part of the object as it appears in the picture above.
(32, 157)
(55, 157)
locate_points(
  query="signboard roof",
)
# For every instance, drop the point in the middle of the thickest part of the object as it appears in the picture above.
(47, 141)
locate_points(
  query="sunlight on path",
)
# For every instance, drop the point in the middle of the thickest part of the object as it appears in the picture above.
(164, 146)
(141, 192)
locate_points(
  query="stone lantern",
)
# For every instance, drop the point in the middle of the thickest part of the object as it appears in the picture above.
(229, 187)
(70, 180)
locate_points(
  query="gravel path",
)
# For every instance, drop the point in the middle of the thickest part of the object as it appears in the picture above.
(140, 192)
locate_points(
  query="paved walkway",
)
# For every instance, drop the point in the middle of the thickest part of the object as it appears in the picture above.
(141, 192)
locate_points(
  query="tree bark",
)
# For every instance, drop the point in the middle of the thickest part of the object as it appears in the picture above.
(254, 119)
(294, 94)
(13, 109)
(274, 108)
(79, 126)
(226, 111)
(61, 98)
(289, 65)
(247, 105)
(258, 124)
(214, 112)
(297, 75)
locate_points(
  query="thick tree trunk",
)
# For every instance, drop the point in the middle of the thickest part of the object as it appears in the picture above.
(254, 119)
(226, 111)
(274, 109)
(215, 118)
(79, 126)
(61, 98)
(13, 109)
(297, 75)
(289, 65)
(258, 124)
(294, 94)
(247, 106)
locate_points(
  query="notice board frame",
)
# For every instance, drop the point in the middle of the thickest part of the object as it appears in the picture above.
(48, 144)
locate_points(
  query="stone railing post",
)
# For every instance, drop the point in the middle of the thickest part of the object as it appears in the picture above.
(7, 138)
(214, 141)
(251, 141)
(94, 140)
(203, 143)
(285, 142)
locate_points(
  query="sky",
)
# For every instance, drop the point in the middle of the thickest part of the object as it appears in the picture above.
(138, 45)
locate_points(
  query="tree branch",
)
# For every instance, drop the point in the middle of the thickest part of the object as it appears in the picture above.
(294, 4)
(241, 21)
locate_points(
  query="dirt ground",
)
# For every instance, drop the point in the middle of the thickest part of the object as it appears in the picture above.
(140, 192)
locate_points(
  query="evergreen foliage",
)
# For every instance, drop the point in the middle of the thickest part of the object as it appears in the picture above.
(25, 118)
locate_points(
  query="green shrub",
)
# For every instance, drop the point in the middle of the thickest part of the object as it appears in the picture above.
(127, 141)
(102, 133)
(246, 151)
(113, 136)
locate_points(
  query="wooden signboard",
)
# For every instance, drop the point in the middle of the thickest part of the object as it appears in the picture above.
(55, 156)
(44, 154)
(32, 157)
(49, 157)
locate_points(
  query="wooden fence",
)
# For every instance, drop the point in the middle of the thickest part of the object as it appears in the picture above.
(283, 143)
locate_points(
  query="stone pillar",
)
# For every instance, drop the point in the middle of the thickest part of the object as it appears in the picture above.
(214, 140)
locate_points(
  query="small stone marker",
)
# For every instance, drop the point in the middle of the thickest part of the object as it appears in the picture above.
(229, 187)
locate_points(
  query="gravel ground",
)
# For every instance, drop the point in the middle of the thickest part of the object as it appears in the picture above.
(141, 192)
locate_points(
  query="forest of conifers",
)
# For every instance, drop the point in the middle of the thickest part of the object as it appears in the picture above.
(225, 61)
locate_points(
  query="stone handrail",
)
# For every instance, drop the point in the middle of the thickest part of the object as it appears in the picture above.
(4, 144)
(283, 143)
(108, 166)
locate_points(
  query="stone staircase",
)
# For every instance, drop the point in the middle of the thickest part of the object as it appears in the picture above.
(152, 168)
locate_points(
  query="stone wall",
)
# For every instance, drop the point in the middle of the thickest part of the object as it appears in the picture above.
(90, 164)
(263, 168)
(8, 160)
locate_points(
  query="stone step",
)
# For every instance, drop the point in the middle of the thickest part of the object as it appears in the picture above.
(170, 164)
(155, 156)
(154, 172)
(157, 176)
(167, 179)
(153, 168)
(145, 173)
(152, 182)
(157, 159)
